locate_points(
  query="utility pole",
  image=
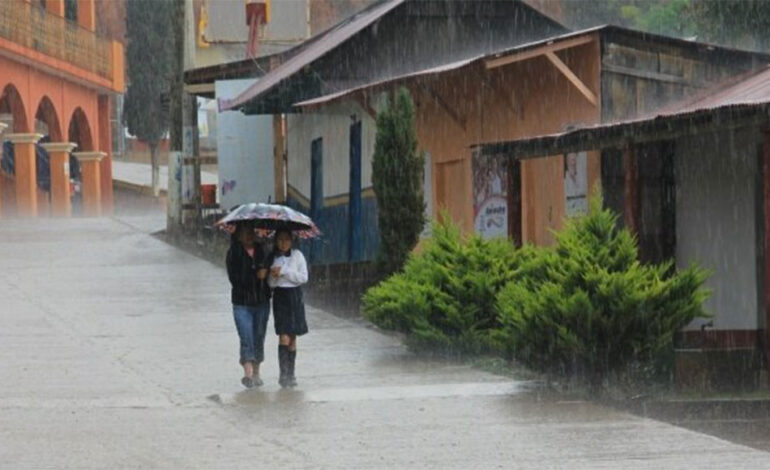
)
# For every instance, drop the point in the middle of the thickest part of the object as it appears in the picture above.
(176, 146)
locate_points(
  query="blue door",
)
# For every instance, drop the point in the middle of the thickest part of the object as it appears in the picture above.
(355, 232)
(316, 190)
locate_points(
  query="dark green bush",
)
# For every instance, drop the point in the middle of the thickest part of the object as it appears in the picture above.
(587, 307)
(444, 298)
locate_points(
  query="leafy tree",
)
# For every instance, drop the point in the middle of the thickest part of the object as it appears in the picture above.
(397, 174)
(149, 54)
(740, 23)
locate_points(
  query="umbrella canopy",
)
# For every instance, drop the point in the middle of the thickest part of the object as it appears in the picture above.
(272, 217)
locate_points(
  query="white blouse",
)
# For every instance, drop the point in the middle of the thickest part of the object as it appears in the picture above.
(293, 270)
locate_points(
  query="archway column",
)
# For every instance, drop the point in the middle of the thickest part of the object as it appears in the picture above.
(90, 174)
(25, 172)
(59, 155)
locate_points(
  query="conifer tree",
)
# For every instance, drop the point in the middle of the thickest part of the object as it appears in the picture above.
(397, 174)
(150, 60)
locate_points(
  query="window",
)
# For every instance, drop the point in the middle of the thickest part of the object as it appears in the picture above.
(71, 10)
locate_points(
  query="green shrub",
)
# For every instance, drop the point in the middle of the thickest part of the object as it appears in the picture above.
(445, 296)
(587, 307)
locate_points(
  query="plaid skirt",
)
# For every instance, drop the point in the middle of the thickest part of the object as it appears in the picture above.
(289, 311)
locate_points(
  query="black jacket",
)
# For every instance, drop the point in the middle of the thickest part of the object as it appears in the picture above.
(242, 271)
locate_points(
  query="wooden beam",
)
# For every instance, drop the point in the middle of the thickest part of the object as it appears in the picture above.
(498, 90)
(444, 105)
(279, 158)
(648, 75)
(766, 210)
(631, 199)
(363, 101)
(538, 51)
(563, 68)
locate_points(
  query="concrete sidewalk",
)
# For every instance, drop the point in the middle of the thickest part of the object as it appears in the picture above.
(139, 175)
(119, 351)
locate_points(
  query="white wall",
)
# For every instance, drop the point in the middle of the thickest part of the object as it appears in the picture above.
(244, 152)
(715, 221)
(332, 123)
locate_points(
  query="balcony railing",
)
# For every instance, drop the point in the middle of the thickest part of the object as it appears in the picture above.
(37, 29)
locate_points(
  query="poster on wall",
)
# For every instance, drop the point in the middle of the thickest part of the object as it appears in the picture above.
(490, 195)
(575, 184)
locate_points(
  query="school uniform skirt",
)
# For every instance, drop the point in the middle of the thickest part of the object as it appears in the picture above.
(289, 311)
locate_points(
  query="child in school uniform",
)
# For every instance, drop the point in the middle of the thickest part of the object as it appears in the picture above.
(288, 273)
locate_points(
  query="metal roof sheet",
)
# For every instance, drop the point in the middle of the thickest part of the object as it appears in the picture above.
(388, 81)
(740, 96)
(319, 47)
(515, 50)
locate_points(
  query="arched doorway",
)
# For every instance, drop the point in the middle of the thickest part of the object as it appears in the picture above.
(47, 125)
(79, 132)
(12, 110)
(14, 114)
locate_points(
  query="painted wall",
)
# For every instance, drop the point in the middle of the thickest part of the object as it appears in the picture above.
(716, 199)
(224, 32)
(245, 152)
(332, 124)
(523, 99)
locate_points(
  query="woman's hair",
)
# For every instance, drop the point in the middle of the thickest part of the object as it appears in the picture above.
(239, 228)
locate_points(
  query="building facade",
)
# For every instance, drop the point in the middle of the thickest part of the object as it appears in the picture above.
(58, 78)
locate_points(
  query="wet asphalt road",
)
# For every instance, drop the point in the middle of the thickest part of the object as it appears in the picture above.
(119, 351)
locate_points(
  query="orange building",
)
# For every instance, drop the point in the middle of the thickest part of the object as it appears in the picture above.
(57, 78)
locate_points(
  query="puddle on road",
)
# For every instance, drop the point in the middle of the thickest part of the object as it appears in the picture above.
(259, 396)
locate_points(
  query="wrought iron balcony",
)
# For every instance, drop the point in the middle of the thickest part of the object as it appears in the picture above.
(35, 28)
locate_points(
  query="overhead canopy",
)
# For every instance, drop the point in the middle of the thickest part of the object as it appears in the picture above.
(742, 101)
(539, 48)
(387, 82)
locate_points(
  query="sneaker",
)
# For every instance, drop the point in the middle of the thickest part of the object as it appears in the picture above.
(247, 382)
(256, 381)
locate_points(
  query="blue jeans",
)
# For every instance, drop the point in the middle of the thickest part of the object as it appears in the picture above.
(251, 323)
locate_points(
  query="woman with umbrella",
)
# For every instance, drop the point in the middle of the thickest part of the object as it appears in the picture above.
(288, 272)
(247, 266)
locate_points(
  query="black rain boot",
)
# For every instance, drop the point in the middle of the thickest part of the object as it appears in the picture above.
(283, 365)
(291, 379)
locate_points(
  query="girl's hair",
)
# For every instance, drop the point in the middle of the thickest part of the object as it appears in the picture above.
(286, 232)
(280, 232)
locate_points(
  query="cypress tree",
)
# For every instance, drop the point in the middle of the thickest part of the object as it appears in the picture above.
(397, 175)
(150, 60)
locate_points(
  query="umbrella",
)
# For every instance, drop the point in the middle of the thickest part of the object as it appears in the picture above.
(272, 217)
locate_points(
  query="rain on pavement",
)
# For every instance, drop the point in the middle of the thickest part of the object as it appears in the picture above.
(119, 351)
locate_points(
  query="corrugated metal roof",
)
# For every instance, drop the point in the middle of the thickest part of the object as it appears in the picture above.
(319, 47)
(750, 88)
(512, 51)
(386, 82)
(741, 96)
(447, 67)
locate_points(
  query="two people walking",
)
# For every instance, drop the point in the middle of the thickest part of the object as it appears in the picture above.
(256, 276)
